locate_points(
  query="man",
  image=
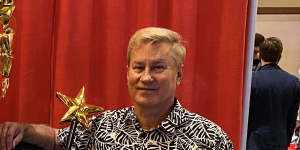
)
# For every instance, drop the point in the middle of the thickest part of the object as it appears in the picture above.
(156, 121)
(259, 39)
(274, 101)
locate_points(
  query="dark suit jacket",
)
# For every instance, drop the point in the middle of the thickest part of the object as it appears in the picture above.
(274, 102)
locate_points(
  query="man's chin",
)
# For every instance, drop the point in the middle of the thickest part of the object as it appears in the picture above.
(146, 101)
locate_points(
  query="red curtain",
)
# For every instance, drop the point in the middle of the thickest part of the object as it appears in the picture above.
(63, 45)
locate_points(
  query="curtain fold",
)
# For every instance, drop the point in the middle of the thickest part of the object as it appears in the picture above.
(63, 45)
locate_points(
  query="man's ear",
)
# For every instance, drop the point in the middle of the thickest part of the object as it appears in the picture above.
(127, 71)
(179, 76)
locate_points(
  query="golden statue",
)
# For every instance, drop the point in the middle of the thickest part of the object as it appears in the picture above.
(77, 112)
(77, 108)
(6, 9)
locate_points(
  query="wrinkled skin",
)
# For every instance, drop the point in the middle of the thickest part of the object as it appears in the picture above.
(10, 135)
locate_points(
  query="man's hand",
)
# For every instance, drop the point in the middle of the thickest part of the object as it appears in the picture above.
(11, 134)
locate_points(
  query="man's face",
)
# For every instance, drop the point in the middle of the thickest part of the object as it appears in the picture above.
(152, 75)
(256, 53)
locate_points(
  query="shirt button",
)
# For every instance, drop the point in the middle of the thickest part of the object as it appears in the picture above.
(128, 122)
(143, 135)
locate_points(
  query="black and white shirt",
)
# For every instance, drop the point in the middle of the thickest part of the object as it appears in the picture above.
(119, 129)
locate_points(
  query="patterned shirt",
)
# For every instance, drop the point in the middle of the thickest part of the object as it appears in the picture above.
(120, 129)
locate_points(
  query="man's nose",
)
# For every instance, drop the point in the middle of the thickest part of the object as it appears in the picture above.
(146, 76)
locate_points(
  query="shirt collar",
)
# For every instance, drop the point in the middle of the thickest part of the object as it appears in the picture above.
(269, 66)
(173, 120)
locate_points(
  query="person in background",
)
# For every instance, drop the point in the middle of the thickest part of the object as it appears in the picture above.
(259, 39)
(274, 101)
(156, 120)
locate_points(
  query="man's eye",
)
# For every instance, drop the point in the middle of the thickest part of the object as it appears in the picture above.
(138, 68)
(159, 68)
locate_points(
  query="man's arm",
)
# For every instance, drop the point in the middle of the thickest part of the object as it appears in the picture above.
(12, 133)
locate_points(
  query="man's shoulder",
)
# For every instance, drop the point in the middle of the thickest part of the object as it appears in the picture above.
(191, 121)
(275, 74)
(199, 122)
(204, 131)
(289, 75)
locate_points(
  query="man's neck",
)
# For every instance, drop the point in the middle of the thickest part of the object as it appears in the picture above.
(150, 118)
(264, 62)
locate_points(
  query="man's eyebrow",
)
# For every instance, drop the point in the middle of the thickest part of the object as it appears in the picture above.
(160, 61)
(138, 62)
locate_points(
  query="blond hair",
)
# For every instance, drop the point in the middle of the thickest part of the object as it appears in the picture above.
(154, 35)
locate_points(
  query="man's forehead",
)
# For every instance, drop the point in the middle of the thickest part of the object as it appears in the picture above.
(165, 59)
(153, 53)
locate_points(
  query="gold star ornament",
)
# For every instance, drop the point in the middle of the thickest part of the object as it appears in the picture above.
(77, 108)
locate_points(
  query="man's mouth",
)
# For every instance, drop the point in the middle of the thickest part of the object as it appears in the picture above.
(146, 88)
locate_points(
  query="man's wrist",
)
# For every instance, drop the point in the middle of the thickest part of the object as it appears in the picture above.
(27, 131)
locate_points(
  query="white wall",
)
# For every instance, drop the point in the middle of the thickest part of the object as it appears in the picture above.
(287, 28)
(278, 3)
